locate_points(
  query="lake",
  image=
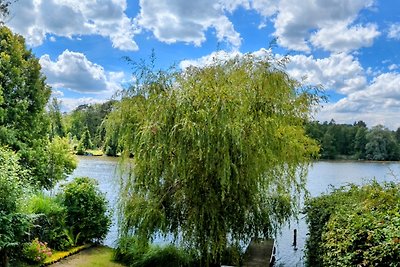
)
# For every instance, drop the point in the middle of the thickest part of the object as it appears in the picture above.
(321, 175)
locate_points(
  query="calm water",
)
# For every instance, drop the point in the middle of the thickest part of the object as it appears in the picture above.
(321, 176)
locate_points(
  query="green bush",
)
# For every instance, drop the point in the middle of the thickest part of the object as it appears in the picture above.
(50, 221)
(86, 208)
(13, 223)
(355, 226)
(131, 252)
(36, 251)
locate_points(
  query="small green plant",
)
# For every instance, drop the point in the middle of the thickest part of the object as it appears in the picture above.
(72, 239)
(36, 251)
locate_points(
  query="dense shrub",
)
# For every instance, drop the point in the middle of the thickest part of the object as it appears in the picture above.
(86, 208)
(13, 224)
(355, 226)
(50, 225)
(131, 252)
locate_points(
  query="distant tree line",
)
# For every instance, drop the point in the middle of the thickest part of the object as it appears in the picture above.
(355, 141)
(83, 126)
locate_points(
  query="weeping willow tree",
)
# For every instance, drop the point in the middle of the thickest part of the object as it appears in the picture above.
(219, 153)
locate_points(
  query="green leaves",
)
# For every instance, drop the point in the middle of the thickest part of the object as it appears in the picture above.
(24, 123)
(13, 224)
(86, 208)
(355, 226)
(217, 152)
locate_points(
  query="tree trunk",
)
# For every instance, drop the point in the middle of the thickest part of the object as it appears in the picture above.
(3, 258)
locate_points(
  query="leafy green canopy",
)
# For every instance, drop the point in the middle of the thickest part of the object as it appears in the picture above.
(24, 123)
(220, 152)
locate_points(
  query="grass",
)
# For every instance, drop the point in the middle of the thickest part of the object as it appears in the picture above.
(99, 256)
(58, 255)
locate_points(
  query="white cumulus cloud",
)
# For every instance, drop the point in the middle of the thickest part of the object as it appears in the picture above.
(341, 38)
(73, 71)
(35, 19)
(297, 21)
(68, 104)
(340, 72)
(187, 21)
(376, 103)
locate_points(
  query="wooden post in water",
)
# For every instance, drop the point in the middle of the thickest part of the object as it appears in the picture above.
(295, 239)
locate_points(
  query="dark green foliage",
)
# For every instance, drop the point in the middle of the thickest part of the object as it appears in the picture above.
(355, 226)
(134, 254)
(13, 224)
(398, 135)
(382, 144)
(111, 150)
(86, 140)
(89, 117)
(23, 89)
(87, 212)
(344, 141)
(360, 142)
(50, 221)
(328, 146)
(24, 122)
(57, 127)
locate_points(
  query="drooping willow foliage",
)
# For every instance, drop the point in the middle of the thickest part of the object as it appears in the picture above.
(219, 152)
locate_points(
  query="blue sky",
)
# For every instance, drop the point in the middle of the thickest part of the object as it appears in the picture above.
(351, 47)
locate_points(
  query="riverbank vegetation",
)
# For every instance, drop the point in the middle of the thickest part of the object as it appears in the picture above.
(35, 155)
(355, 226)
(356, 141)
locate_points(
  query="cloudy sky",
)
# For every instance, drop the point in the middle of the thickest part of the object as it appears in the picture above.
(349, 47)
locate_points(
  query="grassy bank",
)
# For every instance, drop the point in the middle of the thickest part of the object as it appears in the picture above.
(98, 256)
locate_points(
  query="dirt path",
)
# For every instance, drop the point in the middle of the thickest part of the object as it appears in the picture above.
(92, 257)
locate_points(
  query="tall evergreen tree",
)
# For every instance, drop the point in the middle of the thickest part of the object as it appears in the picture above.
(57, 127)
